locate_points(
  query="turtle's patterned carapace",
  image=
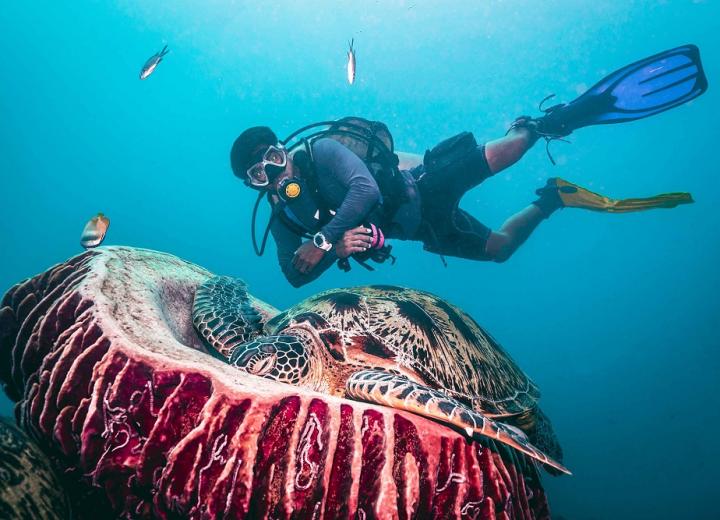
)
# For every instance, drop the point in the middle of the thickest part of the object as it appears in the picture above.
(396, 347)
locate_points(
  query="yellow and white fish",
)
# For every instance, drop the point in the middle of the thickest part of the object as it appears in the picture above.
(152, 63)
(351, 63)
(94, 232)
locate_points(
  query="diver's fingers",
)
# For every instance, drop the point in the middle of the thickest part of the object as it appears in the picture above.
(362, 237)
(309, 266)
(359, 243)
(298, 263)
(360, 230)
(305, 266)
(358, 238)
(302, 267)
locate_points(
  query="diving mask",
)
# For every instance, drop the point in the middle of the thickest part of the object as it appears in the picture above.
(273, 161)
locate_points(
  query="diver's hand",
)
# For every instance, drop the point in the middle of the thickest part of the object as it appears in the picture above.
(354, 240)
(307, 257)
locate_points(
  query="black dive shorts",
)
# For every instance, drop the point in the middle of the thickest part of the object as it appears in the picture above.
(447, 229)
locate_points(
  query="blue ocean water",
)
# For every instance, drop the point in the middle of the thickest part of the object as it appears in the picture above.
(614, 316)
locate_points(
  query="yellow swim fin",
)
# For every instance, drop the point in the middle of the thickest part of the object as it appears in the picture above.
(574, 196)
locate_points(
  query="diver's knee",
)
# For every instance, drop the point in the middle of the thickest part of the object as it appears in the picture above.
(506, 151)
(502, 256)
(499, 247)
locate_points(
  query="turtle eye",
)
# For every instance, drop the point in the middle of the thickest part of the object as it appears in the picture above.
(261, 364)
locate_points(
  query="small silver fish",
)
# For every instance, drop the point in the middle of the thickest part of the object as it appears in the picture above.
(152, 63)
(351, 63)
(94, 232)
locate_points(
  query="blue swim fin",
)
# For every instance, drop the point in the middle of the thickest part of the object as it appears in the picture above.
(641, 89)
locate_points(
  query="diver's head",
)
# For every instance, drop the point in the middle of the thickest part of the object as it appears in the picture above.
(258, 159)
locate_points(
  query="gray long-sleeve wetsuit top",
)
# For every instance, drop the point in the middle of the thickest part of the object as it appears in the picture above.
(345, 184)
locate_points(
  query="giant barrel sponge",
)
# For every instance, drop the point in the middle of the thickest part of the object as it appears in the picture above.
(114, 382)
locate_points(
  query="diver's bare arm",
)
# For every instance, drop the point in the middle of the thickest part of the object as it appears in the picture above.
(508, 150)
(501, 244)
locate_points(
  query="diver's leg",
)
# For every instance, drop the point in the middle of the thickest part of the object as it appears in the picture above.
(506, 151)
(451, 231)
(466, 237)
(455, 232)
(501, 244)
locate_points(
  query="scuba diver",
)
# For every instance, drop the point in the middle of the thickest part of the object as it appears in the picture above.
(341, 191)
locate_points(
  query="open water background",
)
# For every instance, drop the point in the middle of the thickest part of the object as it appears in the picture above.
(614, 316)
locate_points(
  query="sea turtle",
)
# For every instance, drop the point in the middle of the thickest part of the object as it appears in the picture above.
(396, 347)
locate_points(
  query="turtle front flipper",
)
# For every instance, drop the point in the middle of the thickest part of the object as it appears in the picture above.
(399, 392)
(226, 315)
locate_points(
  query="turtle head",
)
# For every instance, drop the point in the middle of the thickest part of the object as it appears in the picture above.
(283, 358)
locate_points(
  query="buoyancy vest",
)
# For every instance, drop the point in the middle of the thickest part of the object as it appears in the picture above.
(372, 142)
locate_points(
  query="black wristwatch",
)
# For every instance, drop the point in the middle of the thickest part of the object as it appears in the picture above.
(321, 242)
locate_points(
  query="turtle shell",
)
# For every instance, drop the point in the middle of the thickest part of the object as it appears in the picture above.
(406, 330)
